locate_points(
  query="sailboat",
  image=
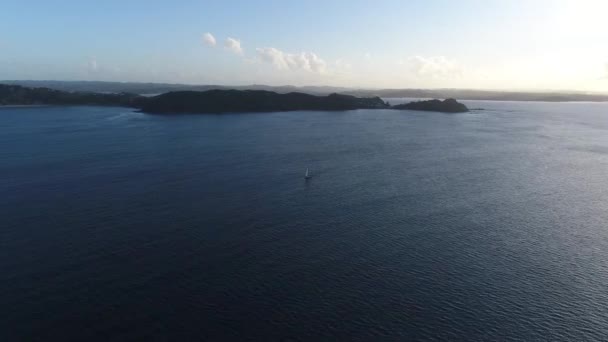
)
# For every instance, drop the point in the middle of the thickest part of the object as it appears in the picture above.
(307, 175)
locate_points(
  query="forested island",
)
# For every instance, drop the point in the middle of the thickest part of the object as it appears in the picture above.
(224, 101)
(215, 101)
(445, 106)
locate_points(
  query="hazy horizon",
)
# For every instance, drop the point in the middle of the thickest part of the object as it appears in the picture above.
(228, 85)
(511, 46)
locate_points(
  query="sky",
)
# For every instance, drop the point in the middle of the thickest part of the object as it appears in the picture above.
(474, 44)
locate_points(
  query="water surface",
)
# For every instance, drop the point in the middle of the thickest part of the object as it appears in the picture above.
(489, 225)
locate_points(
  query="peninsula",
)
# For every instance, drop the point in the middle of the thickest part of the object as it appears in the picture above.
(18, 95)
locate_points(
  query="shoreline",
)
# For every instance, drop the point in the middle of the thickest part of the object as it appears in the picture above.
(25, 106)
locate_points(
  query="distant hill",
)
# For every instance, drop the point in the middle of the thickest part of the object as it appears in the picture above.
(445, 106)
(463, 94)
(18, 95)
(222, 101)
(160, 88)
(214, 101)
(210, 101)
(489, 95)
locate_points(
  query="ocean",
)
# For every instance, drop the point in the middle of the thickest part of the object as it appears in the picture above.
(488, 225)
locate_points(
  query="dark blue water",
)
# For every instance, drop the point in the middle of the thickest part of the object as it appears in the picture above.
(491, 225)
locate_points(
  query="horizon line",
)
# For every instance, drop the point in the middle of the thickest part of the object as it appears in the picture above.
(503, 90)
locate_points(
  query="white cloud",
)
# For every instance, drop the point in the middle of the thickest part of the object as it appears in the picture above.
(306, 61)
(437, 67)
(92, 65)
(209, 39)
(606, 74)
(342, 64)
(234, 45)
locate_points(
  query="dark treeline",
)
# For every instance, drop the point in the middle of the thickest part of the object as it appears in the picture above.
(17, 95)
(445, 106)
(214, 101)
(222, 101)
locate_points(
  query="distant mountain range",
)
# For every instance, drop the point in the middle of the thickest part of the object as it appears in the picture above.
(463, 94)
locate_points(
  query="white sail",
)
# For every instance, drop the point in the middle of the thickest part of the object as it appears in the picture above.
(307, 174)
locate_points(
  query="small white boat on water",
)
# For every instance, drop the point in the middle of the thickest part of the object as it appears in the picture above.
(307, 175)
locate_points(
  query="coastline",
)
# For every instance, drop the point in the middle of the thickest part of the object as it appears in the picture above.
(25, 106)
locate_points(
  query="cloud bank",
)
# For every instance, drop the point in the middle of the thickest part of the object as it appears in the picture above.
(437, 67)
(415, 70)
(209, 39)
(234, 45)
(306, 61)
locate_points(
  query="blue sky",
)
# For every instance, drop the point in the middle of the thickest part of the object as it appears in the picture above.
(511, 44)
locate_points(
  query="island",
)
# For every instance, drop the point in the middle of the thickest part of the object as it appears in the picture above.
(216, 101)
(445, 106)
(238, 101)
